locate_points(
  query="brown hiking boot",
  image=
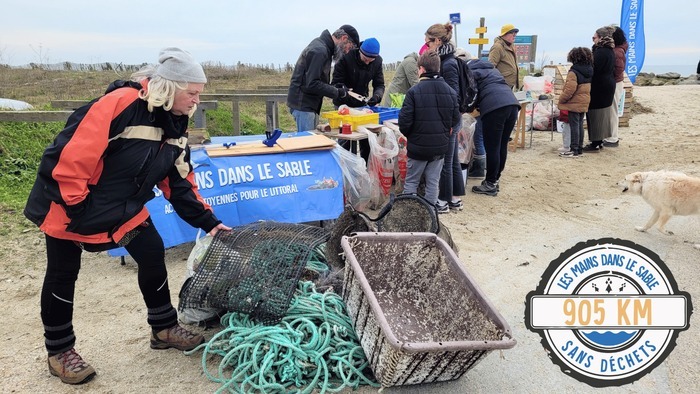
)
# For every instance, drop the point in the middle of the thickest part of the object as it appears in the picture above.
(176, 337)
(71, 368)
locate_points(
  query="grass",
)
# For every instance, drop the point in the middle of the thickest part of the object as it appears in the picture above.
(22, 144)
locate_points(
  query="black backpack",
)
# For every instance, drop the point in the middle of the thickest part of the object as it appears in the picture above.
(468, 89)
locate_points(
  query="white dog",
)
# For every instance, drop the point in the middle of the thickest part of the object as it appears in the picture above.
(668, 192)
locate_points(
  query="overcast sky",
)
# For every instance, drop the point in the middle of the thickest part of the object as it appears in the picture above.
(275, 31)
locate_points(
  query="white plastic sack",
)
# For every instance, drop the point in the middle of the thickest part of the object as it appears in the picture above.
(14, 105)
(197, 315)
(538, 85)
(401, 162)
(383, 148)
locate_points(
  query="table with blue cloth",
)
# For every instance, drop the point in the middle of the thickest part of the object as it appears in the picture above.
(290, 187)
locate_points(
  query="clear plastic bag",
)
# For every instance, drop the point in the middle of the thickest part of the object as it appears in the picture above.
(355, 178)
(465, 139)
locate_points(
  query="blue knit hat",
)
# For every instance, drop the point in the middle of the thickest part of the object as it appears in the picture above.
(370, 47)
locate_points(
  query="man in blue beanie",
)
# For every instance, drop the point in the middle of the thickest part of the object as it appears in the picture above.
(311, 75)
(355, 71)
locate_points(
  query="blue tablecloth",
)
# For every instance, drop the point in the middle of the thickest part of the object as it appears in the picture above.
(286, 187)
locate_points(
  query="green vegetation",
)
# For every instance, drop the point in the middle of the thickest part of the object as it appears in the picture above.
(22, 144)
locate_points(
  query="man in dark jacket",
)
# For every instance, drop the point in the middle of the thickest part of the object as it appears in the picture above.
(429, 113)
(311, 76)
(355, 71)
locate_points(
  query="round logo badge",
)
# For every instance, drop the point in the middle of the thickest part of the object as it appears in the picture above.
(608, 311)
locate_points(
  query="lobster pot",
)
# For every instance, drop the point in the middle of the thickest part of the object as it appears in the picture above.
(418, 314)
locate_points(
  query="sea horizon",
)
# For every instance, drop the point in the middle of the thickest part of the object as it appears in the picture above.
(684, 70)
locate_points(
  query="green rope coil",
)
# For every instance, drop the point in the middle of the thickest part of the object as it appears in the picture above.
(313, 348)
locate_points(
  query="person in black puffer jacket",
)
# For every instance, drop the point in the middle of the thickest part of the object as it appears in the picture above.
(427, 118)
(498, 109)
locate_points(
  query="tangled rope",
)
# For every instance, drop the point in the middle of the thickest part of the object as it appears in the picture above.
(313, 348)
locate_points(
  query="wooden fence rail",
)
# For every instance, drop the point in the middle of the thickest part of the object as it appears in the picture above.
(34, 116)
(271, 106)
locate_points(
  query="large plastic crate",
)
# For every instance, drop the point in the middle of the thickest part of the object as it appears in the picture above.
(334, 119)
(418, 314)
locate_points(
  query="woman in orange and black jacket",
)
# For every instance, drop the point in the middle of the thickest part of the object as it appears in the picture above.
(90, 191)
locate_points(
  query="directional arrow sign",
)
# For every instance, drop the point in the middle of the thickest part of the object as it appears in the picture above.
(475, 41)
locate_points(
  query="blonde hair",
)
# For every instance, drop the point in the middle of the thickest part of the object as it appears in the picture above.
(442, 32)
(161, 92)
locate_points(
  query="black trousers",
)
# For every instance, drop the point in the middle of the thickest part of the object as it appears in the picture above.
(63, 266)
(497, 127)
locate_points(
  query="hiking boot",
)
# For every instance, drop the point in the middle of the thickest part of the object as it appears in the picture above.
(486, 187)
(70, 367)
(456, 205)
(176, 337)
(442, 208)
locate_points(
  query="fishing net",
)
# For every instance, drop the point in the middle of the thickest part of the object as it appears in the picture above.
(254, 269)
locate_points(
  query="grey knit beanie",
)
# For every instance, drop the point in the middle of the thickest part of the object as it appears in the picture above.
(179, 66)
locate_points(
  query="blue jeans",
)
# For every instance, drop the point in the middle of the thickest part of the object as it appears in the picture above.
(576, 126)
(478, 138)
(306, 121)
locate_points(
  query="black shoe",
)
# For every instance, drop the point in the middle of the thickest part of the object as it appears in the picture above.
(611, 144)
(456, 205)
(486, 187)
(568, 154)
(592, 148)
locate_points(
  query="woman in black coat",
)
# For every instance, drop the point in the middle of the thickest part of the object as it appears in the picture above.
(599, 115)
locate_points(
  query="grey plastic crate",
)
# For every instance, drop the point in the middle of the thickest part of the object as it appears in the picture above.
(418, 314)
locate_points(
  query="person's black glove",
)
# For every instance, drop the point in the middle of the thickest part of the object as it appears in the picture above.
(76, 211)
(342, 90)
(374, 100)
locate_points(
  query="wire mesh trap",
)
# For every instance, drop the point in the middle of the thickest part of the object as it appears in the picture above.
(253, 269)
(404, 213)
(410, 213)
(349, 222)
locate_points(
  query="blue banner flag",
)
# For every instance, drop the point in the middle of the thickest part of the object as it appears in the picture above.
(632, 23)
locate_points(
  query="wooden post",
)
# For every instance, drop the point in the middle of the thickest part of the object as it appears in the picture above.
(236, 117)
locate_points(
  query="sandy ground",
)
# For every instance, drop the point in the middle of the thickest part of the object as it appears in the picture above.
(547, 204)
